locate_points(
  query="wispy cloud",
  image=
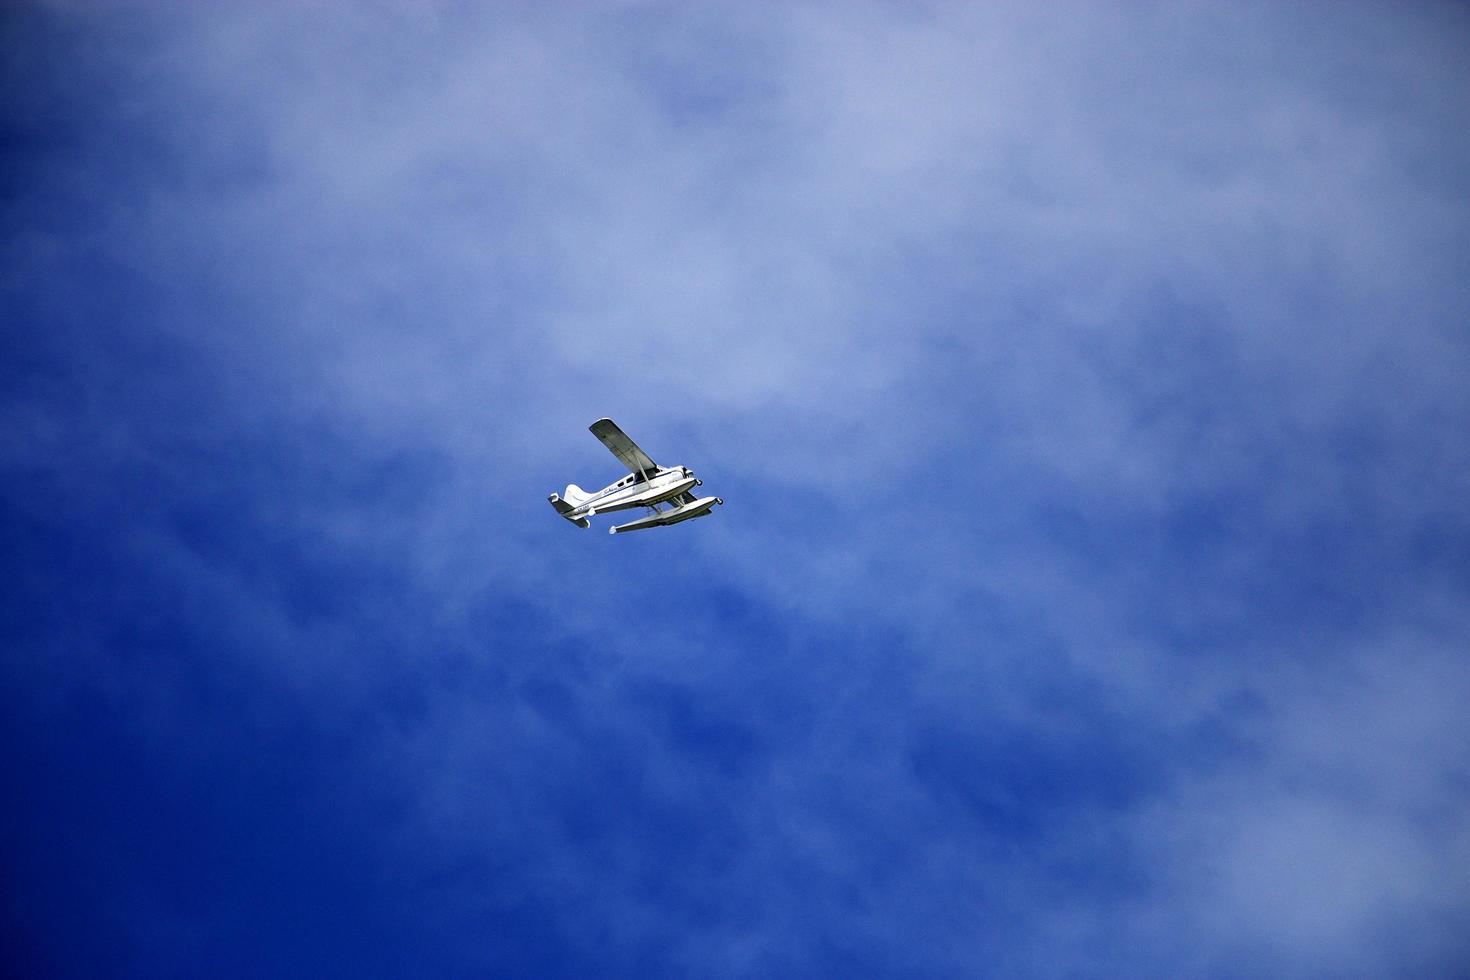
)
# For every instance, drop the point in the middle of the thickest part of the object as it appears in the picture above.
(1086, 388)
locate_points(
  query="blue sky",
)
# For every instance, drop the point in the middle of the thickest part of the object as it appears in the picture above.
(1087, 387)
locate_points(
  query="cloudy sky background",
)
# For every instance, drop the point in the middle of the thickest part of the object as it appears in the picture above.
(1087, 387)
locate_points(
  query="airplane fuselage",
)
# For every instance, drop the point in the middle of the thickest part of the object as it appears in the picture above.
(632, 492)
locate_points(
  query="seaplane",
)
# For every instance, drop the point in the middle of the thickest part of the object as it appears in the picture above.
(649, 485)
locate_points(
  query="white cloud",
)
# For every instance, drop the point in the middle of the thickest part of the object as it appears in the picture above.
(912, 282)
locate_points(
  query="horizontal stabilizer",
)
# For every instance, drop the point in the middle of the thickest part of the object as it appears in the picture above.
(565, 510)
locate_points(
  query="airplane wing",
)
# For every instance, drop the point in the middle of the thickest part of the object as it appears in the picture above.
(625, 449)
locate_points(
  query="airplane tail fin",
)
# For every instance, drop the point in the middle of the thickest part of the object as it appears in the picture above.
(575, 495)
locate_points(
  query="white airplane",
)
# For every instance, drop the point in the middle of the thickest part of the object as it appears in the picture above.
(649, 486)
